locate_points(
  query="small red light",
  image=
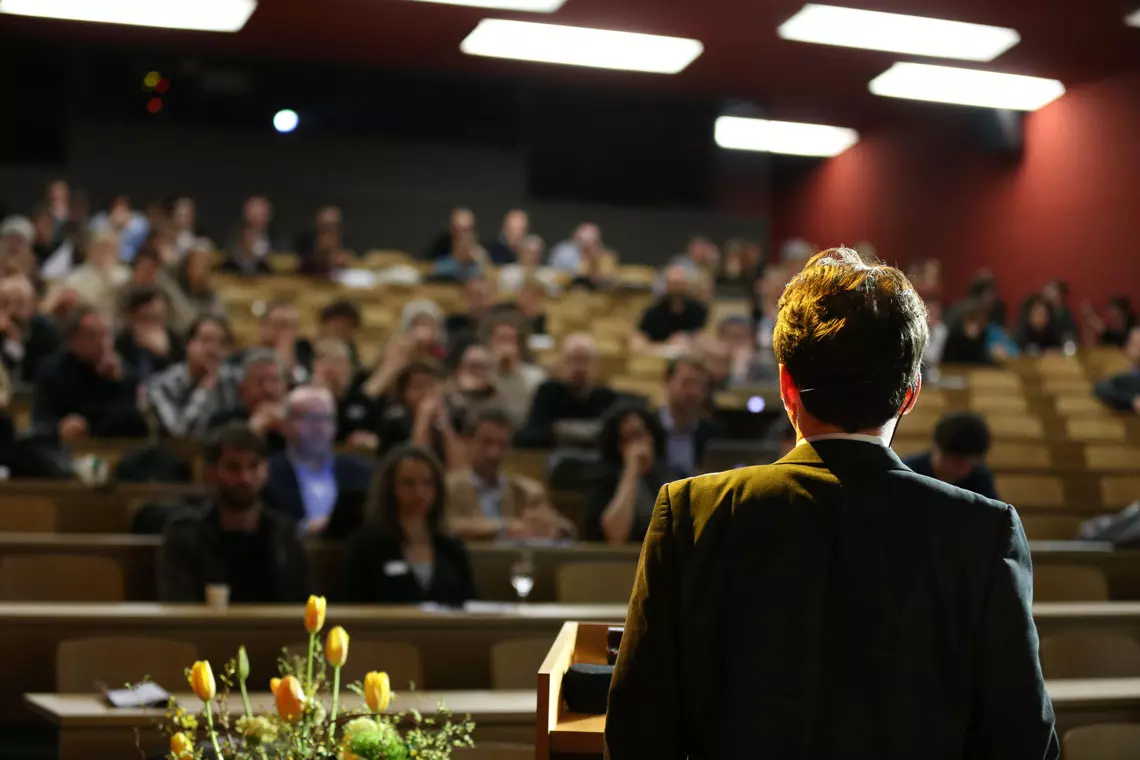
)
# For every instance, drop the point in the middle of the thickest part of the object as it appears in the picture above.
(154, 105)
(162, 86)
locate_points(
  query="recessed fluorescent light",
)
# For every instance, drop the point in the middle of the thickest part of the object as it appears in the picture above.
(1133, 18)
(577, 46)
(967, 87)
(788, 137)
(897, 33)
(200, 15)
(529, 6)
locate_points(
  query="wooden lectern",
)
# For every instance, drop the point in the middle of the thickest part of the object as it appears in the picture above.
(560, 733)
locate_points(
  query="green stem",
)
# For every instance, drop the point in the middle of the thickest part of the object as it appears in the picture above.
(213, 734)
(309, 671)
(245, 699)
(336, 701)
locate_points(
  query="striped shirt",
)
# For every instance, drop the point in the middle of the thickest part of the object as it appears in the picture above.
(183, 407)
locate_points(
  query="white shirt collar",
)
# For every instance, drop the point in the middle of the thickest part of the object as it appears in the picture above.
(875, 439)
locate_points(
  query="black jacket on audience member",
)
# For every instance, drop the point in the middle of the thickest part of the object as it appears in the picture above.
(603, 490)
(282, 492)
(979, 481)
(1119, 391)
(357, 411)
(265, 567)
(67, 386)
(555, 400)
(660, 323)
(41, 340)
(274, 440)
(142, 362)
(831, 605)
(962, 349)
(378, 572)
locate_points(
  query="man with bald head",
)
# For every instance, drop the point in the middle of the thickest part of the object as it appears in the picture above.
(308, 481)
(568, 255)
(676, 313)
(572, 400)
(28, 338)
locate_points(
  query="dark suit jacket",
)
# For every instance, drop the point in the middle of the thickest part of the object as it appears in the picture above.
(833, 605)
(379, 574)
(282, 492)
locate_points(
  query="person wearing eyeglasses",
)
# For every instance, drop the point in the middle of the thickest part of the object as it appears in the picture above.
(309, 481)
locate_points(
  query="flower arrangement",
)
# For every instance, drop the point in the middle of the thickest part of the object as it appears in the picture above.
(302, 729)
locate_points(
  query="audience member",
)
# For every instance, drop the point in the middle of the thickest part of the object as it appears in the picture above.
(1118, 322)
(329, 220)
(973, 339)
(1056, 295)
(576, 399)
(701, 256)
(17, 233)
(57, 199)
(242, 257)
(183, 220)
(746, 365)
(84, 390)
(308, 480)
(341, 320)
(983, 291)
(1122, 392)
(505, 248)
(357, 413)
(1041, 329)
(146, 345)
(277, 331)
(473, 388)
(418, 414)
(513, 276)
(936, 345)
(531, 304)
(235, 542)
(682, 416)
(253, 240)
(461, 223)
(675, 315)
(569, 255)
(185, 396)
(485, 502)
(129, 226)
(421, 328)
(96, 282)
(632, 445)
(193, 278)
(54, 250)
(260, 393)
(29, 338)
(506, 334)
(148, 271)
(401, 555)
(478, 300)
(466, 260)
(742, 266)
(961, 442)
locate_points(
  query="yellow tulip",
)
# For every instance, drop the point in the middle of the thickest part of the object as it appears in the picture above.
(315, 614)
(180, 746)
(377, 691)
(202, 681)
(336, 647)
(290, 697)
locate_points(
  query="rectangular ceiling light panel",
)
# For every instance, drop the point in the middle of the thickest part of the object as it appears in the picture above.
(199, 15)
(527, 6)
(967, 87)
(789, 137)
(577, 46)
(897, 33)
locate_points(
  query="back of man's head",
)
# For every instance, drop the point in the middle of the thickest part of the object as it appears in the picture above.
(851, 335)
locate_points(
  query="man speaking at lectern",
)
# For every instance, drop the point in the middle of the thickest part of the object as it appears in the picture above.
(833, 605)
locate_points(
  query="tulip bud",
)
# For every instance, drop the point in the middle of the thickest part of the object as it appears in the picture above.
(377, 691)
(242, 664)
(202, 681)
(336, 647)
(181, 747)
(290, 697)
(315, 614)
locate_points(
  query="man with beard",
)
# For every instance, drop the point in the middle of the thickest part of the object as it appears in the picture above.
(234, 542)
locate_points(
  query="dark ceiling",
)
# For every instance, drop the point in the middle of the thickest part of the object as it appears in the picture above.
(1073, 40)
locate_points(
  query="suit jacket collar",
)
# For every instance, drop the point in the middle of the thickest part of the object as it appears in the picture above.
(844, 455)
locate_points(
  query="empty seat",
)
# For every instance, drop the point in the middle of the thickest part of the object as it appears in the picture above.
(993, 379)
(1009, 426)
(1090, 654)
(1101, 457)
(515, 662)
(27, 514)
(1031, 490)
(60, 578)
(1106, 429)
(1073, 405)
(1118, 491)
(87, 665)
(1069, 583)
(596, 582)
(1013, 456)
(1006, 403)
(1051, 528)
(1105, 741)
(399, 660)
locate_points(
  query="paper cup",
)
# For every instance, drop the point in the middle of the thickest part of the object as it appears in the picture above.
(217, 596)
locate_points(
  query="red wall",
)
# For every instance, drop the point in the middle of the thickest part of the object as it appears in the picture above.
(1069, 209)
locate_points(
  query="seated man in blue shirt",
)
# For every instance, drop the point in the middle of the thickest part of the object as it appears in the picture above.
(961, 442)
(309, 481)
